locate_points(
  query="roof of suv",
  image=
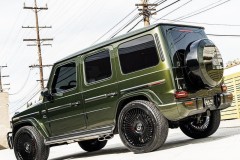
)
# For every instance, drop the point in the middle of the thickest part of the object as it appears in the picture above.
(113, 40)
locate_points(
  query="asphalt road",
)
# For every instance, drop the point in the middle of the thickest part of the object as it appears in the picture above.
(223, 145)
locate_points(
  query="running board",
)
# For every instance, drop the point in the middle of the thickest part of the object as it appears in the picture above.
(78, 136)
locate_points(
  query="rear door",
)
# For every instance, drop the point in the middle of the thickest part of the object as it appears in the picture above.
(65, 111)
(99, 88)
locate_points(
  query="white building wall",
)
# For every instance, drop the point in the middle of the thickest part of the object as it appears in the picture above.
(4, 119)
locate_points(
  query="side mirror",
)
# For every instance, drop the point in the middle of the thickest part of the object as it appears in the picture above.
(45, 93)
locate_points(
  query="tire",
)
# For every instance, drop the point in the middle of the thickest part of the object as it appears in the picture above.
(92, 145)
(142, 128)
(29, 145)
(207, 126)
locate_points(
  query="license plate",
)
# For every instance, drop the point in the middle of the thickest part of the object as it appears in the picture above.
(208, 102)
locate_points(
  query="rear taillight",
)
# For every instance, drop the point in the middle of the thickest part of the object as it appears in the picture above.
(224, 88)
(181, 94)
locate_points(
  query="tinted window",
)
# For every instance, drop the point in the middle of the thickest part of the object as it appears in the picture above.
(98, 67)
(179, 38)
(64, 78)
(138, 54)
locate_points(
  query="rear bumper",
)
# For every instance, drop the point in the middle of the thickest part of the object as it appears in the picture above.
(10, 140)
(197, 105)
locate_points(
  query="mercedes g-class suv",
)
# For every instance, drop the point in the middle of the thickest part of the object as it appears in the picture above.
(137, 85)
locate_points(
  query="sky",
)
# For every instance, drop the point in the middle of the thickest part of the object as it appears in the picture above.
(77, 24)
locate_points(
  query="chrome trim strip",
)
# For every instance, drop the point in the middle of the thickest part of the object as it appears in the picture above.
(143, 75)
(60, 107)
(80, 135)
(77, 92)
(133, 88)
(162, 81)
(98, 110)
(95, 98)
(26, 115)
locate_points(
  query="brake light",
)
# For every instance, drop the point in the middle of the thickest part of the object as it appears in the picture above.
(224, 88)
(181, 94)
(185, 30)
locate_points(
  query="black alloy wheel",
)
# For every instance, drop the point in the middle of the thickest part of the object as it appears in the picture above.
(138, 127)
(142, 128)
(203, 127)
(29, 145)
(26, 146)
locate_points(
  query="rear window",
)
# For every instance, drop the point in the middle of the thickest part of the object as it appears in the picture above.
(179, 38)
(138, 54)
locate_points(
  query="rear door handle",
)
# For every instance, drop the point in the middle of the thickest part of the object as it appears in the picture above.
(112, 94)
(74, 104)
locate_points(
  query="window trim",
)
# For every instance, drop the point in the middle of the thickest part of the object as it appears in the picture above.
(52, 79)
(84, 67)
(119, 62)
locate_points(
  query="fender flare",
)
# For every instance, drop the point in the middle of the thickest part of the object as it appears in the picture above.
(32, 122)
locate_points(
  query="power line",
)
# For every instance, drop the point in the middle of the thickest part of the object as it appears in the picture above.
(125, 26)
(25, 96)
(73, 19)
(224, 35)
(158, 2)
(166, 6)
(24, 84)
(204, 23)
(194, 14)
(174, 10)
(135, 18)
(135, 25)
(114, 26)
(156, 12)
(27, 101)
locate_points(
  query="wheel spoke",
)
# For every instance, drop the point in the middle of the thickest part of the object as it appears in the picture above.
(138, 127)
(26, 146)
(202, 125)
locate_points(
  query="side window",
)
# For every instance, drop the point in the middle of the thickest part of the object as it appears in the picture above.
(138, 54)
(64, 78)
(98, 67)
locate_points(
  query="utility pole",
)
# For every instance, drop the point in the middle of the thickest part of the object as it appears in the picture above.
(38, 40)
(146, 11)
(1, 84)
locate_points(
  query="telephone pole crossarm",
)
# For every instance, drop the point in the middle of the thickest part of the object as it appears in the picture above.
(145, 11)
(41, 45)
(36, 27)
(38, 66)
(45, 39)
(153, 5)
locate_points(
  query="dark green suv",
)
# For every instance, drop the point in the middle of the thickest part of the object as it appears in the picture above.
(137, 85)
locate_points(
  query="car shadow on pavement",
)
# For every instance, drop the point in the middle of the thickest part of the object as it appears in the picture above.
(173, 141)
(115, 150)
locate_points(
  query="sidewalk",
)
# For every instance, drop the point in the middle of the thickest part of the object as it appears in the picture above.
(230, 123)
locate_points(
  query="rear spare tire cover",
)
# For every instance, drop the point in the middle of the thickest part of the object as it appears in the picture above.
(204, 64)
